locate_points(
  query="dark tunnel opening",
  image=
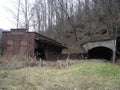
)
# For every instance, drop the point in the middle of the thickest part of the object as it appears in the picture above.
(40, 53)
(100, 53)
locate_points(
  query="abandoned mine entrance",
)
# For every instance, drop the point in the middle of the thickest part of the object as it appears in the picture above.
(100, 53)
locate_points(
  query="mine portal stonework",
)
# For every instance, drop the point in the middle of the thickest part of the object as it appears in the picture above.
(111, 44)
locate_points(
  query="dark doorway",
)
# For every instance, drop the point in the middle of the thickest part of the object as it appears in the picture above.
(39, 50)
(40, 53)
(100, 53)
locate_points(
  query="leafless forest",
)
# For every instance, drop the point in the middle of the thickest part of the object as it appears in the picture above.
(71, 22)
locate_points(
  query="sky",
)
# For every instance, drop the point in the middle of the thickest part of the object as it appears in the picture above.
(6, 19)
(5, 15)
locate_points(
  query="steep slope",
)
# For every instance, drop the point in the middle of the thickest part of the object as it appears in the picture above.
(75, 46)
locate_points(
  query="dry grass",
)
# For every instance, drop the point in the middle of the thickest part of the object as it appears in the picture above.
(83, 75)
(20, 61)
(17, 61)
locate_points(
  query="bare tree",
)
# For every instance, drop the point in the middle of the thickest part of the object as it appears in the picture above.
(18, 13)
(24, 10)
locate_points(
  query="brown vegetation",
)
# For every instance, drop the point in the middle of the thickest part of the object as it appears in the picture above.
(16, 61)
(19, 61)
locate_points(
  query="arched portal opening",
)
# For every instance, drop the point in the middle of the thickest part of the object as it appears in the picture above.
(100, 53)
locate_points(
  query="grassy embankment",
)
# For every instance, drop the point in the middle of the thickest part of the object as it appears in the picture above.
(83, 75)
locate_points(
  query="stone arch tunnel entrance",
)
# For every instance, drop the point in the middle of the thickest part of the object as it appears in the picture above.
(100, 53)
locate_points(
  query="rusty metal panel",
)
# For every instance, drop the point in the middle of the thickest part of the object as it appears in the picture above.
(23, 50)
(9, 49)
(9, 42)
(23, 43)
(17, 42)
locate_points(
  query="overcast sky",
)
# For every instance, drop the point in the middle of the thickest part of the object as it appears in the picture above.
(5, 16)
(6, 19)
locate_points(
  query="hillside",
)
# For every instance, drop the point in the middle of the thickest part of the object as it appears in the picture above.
(75, 46)
(84, 75)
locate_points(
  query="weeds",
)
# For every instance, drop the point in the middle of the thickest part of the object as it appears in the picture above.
(20, 61)
(57, 75)
(82, 75)
(16, 61)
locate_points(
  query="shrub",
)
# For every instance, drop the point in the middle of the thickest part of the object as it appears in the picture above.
(16, 61)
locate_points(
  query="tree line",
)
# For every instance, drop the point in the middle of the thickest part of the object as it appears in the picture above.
(59, 19)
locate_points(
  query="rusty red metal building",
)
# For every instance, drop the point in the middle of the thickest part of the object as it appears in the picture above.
(20, 41)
